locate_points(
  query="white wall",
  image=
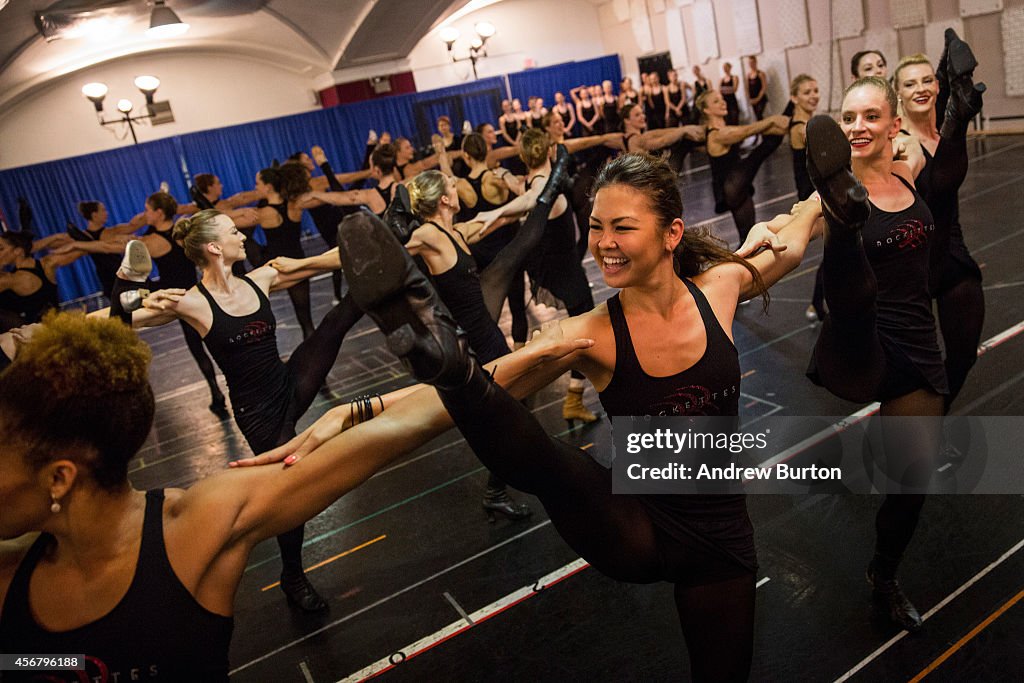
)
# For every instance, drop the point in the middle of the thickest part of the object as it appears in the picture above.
(780, 63)
(206, 90)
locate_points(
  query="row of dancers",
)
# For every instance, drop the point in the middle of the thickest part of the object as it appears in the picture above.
(74, 423)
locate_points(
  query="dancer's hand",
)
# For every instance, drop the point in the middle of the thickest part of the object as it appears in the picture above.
(163, 299)
(762, 236)
(317, 152)
(812, 204)
(487, 218)
(284, 264)
(331, 424)
(23, 335)
(549, 342)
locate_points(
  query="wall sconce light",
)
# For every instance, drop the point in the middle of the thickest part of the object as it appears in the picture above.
(484, 30)
(156, 112)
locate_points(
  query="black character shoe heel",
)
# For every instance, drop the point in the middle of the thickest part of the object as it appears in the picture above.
(384, 282)
(843, 198)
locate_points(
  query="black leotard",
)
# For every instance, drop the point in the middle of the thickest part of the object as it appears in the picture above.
(459, 288)
(610, 116)
(896, 245)
(709, 387)
(245, 349)
(586, 113)
(566, 116)
(157, 632)
(176, 270)
(284, 240)
(385, 194)
(486, 249)
(658, 108)
(700, 87)
(31, 307)
(675, 98)
(511, 128)
(754, 86)
(804, 188)
(535, 120)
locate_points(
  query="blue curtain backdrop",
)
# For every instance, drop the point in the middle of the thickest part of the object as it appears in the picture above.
(549, 80)
(122, 178)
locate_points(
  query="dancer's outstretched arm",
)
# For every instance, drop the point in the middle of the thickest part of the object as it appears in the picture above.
(541, 361)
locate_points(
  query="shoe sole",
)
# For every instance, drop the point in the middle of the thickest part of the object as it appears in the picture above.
(828, 151)
(139, 259)
(375, 265)
(961, 59)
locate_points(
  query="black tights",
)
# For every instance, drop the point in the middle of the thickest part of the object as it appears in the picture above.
(738, 184)
(961, 309)
(852, 364)
(717, 620)
(614, 533)
(195, 347)
(308, 366)
(299, 294)
(500, 277)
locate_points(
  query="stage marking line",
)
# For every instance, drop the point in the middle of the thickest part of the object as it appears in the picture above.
(388, 598)
(483, 614)
(930, 613)
(748, 373)
(868, 410)
(332, 559)
(458, 608)
(963, 641)
(304, 670)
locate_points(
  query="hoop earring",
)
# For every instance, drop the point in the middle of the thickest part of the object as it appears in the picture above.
(54, 506)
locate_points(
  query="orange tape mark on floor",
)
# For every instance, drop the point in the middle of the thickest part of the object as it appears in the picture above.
(586, 447)
(747, 374)
(332, 559)
(963, 641)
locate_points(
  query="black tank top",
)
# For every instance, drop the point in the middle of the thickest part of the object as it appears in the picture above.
(31, 307)
(727, 88)
(700, 87)
(675, 96)
(245, 348)
(586, 110)
(610, 112)
(385, 194)
(459, 288)
(511, 128)
(284, 240)
(535, 121)
(658, 101)
(720, 167)
(175, 268)
(709, 387)
(754, 85)
(896, 245)
(486, 249)
(566, 117)
(157, 632)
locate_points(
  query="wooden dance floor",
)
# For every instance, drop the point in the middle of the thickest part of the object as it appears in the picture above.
(422, 588)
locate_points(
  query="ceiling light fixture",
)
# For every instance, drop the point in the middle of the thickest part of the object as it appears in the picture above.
(164, 23)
